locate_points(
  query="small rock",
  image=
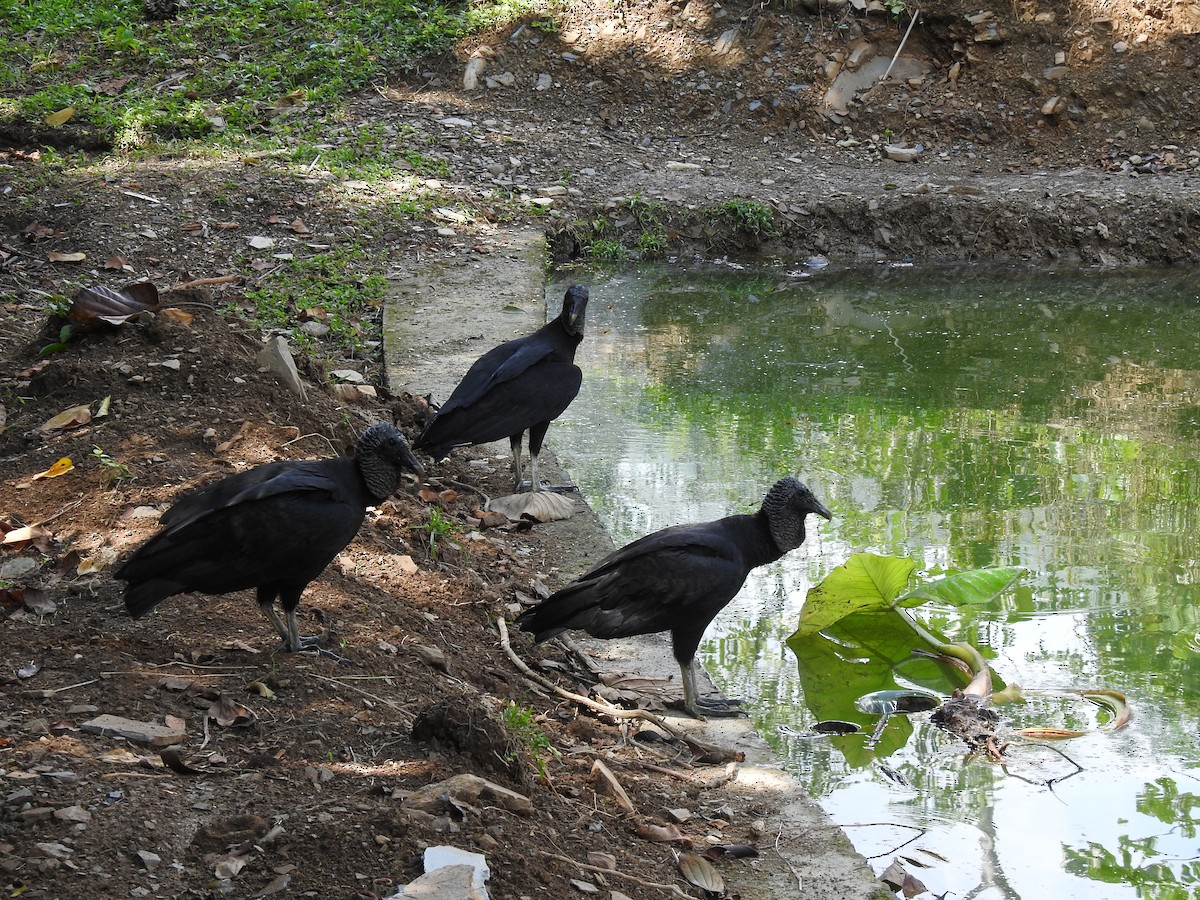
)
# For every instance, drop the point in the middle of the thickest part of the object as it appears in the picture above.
(277, 358)
(18, 568)
(73, 814)
(900, 153)
(544, 82)
(350, 375)
(150, 861)
(314, 328)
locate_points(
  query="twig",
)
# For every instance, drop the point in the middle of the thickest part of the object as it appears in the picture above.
(50, 692)
(312, 434)
(672, 889)
(65, 509)
(606, 709)
(205, 282)
(391, 704)
(727, 775)
(896, 56)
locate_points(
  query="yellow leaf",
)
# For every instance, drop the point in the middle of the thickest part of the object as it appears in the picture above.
(1050, 734)
(60, 118)
(62, 467)
(104, 405)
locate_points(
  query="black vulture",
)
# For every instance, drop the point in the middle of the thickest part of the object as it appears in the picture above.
(677, 580)
(521, 385)
(273, 528)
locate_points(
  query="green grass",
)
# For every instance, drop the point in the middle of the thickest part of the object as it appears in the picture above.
(340, 283)
(527, 736)
(222, 67)
(745, 216)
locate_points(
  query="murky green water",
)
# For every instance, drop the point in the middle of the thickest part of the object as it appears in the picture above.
(1050, 421)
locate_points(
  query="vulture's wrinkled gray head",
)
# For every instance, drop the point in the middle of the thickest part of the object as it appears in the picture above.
(785, 506)
(382, 453)
(574, 309)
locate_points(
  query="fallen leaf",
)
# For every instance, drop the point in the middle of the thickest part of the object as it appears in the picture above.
(183, 317)
(37, 535)
(39, 602)
(258, 687)
(62, 467)
(67, 419)
(228, 226)
(102, 411)
(191, 226)
(299, 227)
(660, 833)
(229, 712)
(55, 119)
(262, 242)
(113, 86)
(116, 262)
(36, 231)
(55, 256)
(34, 369)
(700, 872)
(28, 670)
(98, 304)
(602, 860)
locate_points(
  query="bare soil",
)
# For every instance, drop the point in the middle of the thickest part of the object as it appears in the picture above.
(642, 101)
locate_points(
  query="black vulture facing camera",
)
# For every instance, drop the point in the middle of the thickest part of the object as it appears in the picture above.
(273, 528)
(677, 580)
(521, 385)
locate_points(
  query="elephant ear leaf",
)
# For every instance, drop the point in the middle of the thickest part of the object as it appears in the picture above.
(966, 588)
(864, 583)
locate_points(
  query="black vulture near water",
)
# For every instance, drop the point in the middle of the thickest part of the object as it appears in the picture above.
(677, 580)
(521, 385)
(273, 528)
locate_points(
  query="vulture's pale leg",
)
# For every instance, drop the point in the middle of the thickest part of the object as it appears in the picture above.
(537, 434)
(719, 708)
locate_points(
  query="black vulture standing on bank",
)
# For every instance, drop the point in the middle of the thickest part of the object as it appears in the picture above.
(677, 580)
(273, 528)
(521, 385)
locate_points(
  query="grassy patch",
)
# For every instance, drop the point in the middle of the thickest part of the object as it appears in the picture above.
(744, 217)
(334, 288)
(222, 65)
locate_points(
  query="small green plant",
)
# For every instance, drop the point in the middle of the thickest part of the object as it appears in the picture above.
(607, 250)
(439, 527)
(112, 473)
(745, 216)
(527, 737)
(64, 341)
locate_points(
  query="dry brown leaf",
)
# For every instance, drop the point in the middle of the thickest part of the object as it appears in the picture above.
(228, 226)
(98, 304)
(660, 833)
(602, 860)
(36, 231)
(62, 467)
(55, 119)
(67, 419)
(299, 227)
(192, 226)
(19, 538)
(55, 256)
(34, 369)
(228, 712)
(427, 495)
(39, 603)
(115, 262)
(700, 872)
(113, 86)
(183, 317)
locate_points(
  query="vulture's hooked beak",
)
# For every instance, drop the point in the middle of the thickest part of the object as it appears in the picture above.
(819, 508)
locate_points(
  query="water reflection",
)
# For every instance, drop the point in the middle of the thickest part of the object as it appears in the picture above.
(1049, 421)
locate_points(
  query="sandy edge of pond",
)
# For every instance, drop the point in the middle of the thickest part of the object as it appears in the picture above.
(436, 323)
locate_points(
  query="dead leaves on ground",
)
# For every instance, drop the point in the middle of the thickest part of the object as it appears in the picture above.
(97, 305)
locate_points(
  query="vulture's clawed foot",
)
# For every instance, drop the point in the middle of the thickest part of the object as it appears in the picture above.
(522, 487)
(312, 645)
(722, 708)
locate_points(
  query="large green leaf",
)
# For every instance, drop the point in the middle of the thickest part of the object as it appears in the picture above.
(864, 583)
(966, 588)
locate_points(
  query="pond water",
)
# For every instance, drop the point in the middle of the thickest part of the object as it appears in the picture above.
(961, 419)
